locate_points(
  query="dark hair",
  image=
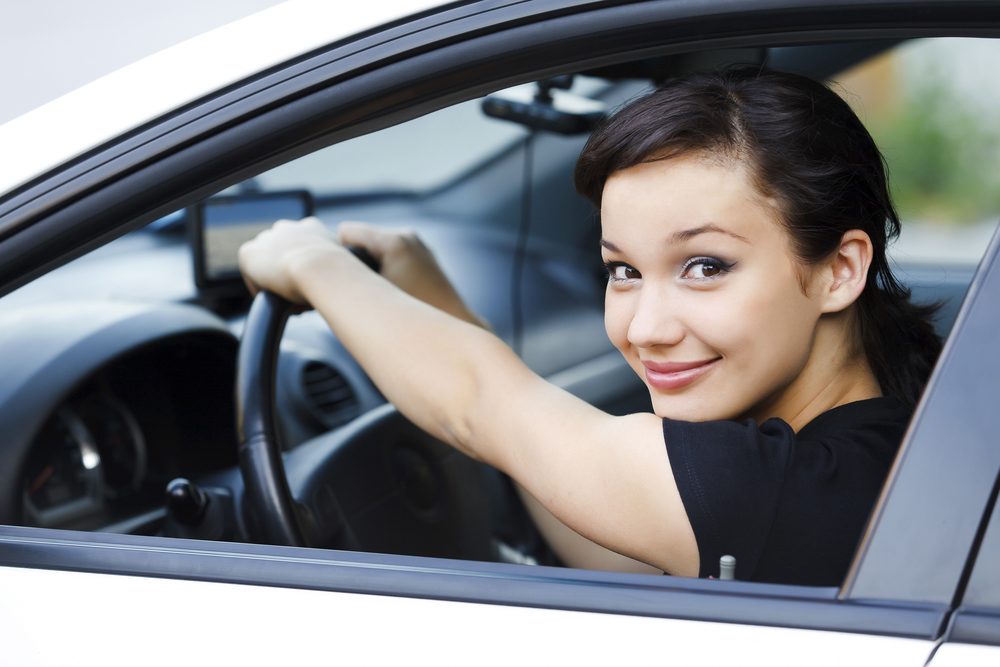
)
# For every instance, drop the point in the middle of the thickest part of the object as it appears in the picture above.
(805, 148)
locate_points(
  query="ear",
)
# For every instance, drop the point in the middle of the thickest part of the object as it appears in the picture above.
(846, 271)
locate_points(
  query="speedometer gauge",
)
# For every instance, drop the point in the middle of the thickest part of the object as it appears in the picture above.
(62, 477)
(119, 441)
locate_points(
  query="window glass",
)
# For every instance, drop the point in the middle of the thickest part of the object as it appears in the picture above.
(418, 156)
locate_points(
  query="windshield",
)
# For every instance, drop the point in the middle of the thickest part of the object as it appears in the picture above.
(416, 157)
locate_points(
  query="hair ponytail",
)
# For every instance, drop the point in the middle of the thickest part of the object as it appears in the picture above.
(898, 338)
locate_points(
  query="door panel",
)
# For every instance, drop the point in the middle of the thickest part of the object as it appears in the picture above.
(114, 619)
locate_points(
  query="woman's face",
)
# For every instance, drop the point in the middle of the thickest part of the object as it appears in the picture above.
(703, 298)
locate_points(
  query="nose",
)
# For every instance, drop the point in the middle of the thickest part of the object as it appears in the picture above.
(655, 320)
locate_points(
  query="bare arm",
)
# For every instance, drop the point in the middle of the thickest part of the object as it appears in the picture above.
(408, 263)
(608, 478)
(574, 549)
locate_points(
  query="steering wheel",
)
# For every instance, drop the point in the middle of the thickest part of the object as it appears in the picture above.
(265, 485)
(377, 484)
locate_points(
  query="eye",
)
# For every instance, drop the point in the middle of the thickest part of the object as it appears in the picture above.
(703, 268)
(618, 272)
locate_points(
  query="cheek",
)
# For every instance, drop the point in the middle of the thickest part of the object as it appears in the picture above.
(771, 330)
(791, 316)
(768, 323)
(617, 317)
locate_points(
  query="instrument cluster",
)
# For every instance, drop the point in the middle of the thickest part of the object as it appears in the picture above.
(89, 453)
(101, 460)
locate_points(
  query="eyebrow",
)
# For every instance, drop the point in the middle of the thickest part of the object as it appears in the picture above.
(686, 235)
(689, 234)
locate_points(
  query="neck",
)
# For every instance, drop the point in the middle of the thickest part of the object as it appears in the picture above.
(834, 375)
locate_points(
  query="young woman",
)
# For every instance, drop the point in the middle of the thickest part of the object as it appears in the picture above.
(744, 216)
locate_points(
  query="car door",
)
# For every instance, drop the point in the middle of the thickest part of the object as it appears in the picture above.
(224, 601)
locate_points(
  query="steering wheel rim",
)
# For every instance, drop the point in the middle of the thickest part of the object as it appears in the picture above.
(265, 483)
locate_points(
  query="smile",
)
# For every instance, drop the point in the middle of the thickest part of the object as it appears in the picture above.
(674, 375)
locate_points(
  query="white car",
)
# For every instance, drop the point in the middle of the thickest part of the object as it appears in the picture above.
(340, 532)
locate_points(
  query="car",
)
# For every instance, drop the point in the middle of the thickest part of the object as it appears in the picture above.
(150, 518)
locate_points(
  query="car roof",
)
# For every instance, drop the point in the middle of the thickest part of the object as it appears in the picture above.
(165, 81)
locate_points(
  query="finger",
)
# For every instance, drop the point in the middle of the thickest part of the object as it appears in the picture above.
(251, 286)
(314, 222)
(242, 260)
(316, 226)
(373, 239)
(307, 227)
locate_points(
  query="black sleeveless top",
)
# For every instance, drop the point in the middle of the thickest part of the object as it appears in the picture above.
(789, 507)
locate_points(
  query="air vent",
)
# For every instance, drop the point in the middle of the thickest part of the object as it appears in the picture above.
(331, 399)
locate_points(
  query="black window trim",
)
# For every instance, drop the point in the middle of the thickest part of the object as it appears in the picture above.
(976, 619)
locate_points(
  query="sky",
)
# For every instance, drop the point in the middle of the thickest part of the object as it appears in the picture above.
(51, 47)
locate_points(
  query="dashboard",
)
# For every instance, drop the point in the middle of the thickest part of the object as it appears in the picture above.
(102, 402)
(119, 378)
(103, 457)
(105, 401)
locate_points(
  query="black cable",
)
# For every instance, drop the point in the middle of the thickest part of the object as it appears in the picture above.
(521, 249)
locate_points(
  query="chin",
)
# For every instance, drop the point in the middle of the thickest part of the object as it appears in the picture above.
(685, 408)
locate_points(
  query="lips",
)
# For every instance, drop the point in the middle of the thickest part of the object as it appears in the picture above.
(677, 374)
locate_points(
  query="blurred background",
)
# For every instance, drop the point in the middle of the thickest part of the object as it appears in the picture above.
(933, 106)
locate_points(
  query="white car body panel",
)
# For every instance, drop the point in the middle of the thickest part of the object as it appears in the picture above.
(153, 86)
(111, 620)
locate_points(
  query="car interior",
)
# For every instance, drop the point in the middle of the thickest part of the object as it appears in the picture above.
(118, 408)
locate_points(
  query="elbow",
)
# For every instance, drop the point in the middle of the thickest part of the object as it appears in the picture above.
(459, 435)
(467, 420)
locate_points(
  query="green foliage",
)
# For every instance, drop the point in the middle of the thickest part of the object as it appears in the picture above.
(942, 154)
